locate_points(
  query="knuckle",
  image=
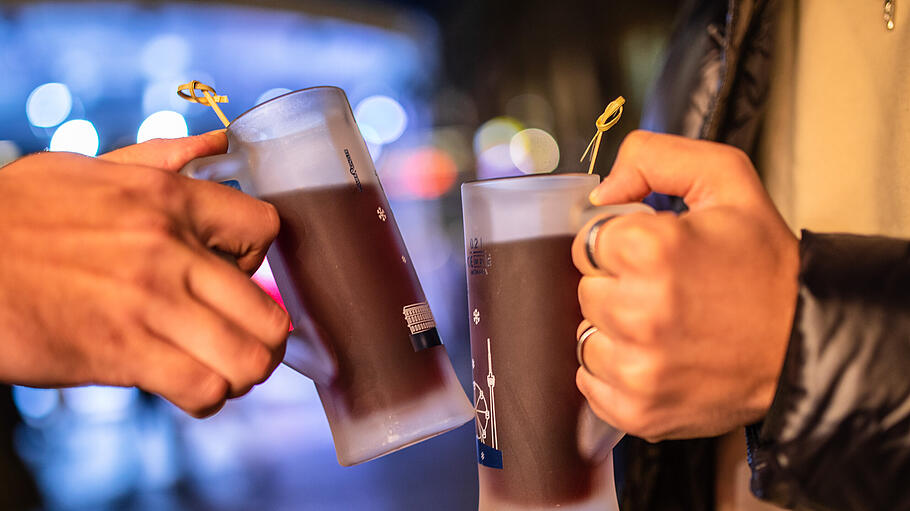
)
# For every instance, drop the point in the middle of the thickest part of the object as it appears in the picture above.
(210, 394)
(649, 379)
(144, 276)
(624, 420)
(178, 152)
(159, 183)
(640, 419)
(656, 243)
(634, 140)
(278, 325)
(271, 220)
(738, 159)
(156, 225)
(636, 241)
(643, 326)
(581, 382)
(584, 291)
(259, 362)
(662, 309)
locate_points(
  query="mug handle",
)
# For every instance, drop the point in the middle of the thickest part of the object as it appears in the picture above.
(596, 438)
(307, 351)
(585, 212)
(220, 167)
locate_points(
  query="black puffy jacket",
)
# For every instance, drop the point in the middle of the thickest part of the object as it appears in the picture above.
(837, 436)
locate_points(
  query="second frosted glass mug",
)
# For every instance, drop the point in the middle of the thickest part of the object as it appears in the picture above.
(538, 444)
(362, 327)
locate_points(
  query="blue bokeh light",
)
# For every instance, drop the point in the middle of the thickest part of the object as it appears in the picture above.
(382, 120)
(49, 105)
(35, 404)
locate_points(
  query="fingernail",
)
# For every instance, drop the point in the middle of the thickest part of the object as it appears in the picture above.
(592, 197)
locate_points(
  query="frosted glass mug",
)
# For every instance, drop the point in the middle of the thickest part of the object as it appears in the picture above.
(362, 327)
(538, 444)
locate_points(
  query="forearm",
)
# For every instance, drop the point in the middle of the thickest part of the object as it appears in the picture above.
(838, 433)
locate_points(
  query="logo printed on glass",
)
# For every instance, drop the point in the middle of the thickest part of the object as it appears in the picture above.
(479, 261)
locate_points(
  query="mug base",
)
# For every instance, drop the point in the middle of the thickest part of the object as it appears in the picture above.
(433, 413)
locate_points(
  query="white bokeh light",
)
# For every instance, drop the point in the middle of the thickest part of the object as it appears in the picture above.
(100, 401)
(48, 105)
(381, 118)
(163, 124)
(369, 135)
(534, 151)
(76, 136)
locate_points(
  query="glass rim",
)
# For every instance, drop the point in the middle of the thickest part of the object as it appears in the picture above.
(573, 177)
(282, 96)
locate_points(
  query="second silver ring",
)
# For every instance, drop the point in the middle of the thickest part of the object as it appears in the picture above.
(580, 347)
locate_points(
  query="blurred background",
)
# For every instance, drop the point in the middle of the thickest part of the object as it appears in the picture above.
(444, 92)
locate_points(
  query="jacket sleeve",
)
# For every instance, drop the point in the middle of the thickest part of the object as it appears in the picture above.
(837, 435)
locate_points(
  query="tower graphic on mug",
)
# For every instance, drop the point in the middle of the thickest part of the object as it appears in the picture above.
(491, 383)
(488, 452)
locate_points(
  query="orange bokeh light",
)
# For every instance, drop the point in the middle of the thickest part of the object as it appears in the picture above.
(428, 172)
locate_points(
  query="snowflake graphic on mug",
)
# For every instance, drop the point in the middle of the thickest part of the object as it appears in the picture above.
(381, 214)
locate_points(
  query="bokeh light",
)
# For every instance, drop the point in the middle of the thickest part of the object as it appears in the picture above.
(48, 105)
(428, 173)
(271, 94)
(100, 402)
(534, 151)
(35, 404)
(76, 136)
(382, 119)
(496, 131)
(163, 124)
(165, 56)
(496, 162)
(9, 151)
(456, 141)
(162, 95)
(369, 136)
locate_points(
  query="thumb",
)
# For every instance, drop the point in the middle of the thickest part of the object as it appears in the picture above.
(170, 154)
(702, 173)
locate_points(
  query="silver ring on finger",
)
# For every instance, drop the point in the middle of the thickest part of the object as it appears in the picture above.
(591, 240)
(580, 347)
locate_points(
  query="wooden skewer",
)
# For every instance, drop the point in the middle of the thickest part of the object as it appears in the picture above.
(607, 120)
(209, 97)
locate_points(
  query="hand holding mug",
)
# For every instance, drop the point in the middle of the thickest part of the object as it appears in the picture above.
(107, 276)
(692, 311)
